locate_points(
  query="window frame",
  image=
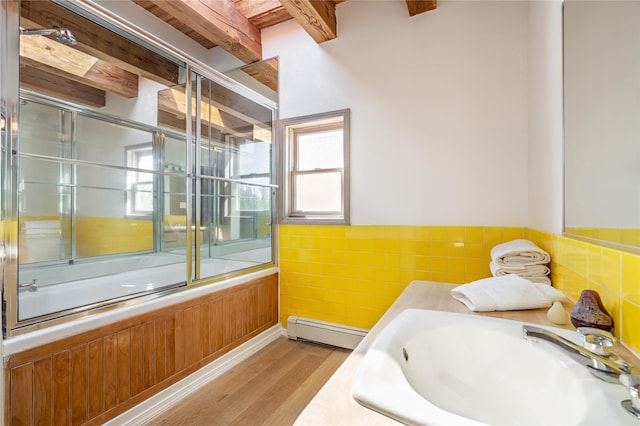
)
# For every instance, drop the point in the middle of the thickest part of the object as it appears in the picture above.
(288, 131)
(133, 154)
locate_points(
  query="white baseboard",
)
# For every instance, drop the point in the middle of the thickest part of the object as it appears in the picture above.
(299, 328)
(162, 401)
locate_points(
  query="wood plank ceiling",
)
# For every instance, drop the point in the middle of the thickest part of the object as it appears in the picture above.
(115, 63)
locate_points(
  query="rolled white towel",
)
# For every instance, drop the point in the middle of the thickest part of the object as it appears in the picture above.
(519, 252)
(506, 293)
(524, 271)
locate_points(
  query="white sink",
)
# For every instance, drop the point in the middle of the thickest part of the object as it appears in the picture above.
(430, 367)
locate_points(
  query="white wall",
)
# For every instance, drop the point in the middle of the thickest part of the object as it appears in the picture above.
(545, 116)
(439, 107)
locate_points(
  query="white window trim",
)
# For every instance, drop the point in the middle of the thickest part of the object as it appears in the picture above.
(285, 128)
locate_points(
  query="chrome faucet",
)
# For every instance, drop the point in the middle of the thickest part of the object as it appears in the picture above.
(595, 354)
(632, 384)
(32, 286)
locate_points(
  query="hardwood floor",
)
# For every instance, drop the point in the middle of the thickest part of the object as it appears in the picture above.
(271, 387)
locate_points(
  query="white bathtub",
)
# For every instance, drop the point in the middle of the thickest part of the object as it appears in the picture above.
(100, 281)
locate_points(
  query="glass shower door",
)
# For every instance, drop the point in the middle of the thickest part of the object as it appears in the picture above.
(234, 179)
(91, 210)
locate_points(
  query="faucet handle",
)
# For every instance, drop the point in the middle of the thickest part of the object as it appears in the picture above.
(633, 385)
(597, 341)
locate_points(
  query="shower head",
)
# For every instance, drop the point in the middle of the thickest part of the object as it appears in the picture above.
(63, 35)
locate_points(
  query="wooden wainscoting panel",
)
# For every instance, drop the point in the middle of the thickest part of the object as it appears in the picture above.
(160, 345)
(170, 322)
(96, 375)
(95, 380)
(124, 365)
(148, 355)
(178, 319)
(78, 359)
(215, 320)
(198, 353)
(137, 361)
(110, 388)
(61, 386)
(42, 392)
(22, 376)
(188, 337)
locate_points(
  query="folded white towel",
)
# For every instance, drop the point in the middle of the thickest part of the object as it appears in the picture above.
(538, 279)
(519, 252)
(506, 293)
(525, 271)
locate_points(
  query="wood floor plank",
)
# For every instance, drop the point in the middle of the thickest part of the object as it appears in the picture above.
(289, 409)
(270, 388)
(229, 400)
(273, 397)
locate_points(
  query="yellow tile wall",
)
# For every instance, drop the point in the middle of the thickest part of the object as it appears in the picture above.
(620, 235)
(98, 236)
(104, 235)
(351, 274)
(614, 274)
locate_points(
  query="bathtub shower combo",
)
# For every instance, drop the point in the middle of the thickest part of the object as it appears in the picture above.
(112, 201)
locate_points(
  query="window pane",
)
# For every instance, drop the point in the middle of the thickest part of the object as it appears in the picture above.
(102, 225)
(321, 150)
(320, 192)
(44, 130)
(139, 185)
(143, 197)
(254, 198)
(104, 142)
(255, 158)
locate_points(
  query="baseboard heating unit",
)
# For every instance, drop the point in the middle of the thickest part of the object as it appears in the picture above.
(324, 332)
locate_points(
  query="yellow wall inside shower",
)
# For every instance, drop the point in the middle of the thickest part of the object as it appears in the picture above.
(351, 274)
(96, 236)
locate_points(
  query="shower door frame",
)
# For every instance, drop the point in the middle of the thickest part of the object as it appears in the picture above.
(9, 102)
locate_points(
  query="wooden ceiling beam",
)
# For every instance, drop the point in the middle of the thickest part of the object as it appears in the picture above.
(174, 102)
(218, 21)
(266, 72)
(100, 42)
(254, 8)
(60, 87)
(48, 55)
(230, 102)
(417, 7)
(264, 13)
(317, 17)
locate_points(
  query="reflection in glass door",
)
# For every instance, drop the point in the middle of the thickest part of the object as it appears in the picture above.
(234, 179)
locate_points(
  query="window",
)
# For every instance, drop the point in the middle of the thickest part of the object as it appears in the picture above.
(140, 185)
(254, 166)
(316, 179)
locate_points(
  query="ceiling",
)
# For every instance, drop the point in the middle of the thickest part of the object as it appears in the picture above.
(104, 62)
(235, 25)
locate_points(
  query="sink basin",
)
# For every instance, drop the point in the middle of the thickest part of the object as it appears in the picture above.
(430, 367)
